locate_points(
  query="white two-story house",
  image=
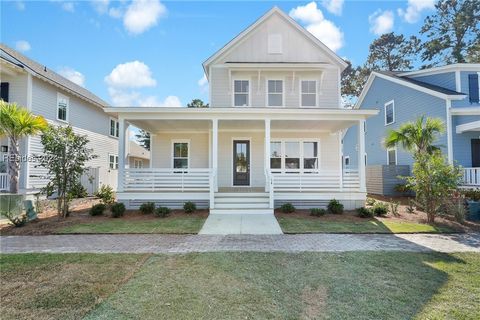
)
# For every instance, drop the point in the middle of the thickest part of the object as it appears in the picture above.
(271, 135)
(61, 102)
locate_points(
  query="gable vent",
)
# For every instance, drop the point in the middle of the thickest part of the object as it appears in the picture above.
(275, 43)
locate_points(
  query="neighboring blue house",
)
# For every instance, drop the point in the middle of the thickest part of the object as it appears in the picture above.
(449, 92)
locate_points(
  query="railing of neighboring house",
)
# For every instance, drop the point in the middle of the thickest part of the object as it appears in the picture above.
(315, 181)
(157, 180)
(4, 182)
(471, 177)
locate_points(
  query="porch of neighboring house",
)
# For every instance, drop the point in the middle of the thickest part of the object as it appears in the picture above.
(241, 160)
(467, 138)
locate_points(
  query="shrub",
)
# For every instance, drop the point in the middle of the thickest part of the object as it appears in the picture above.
(11, 208)
(189, 207)
(287, 208)
(402, 188)
(364, 212)
(106, 194)
(162, 212)
(473, 194)
(394, 208)
(97, 210)
(370, 202)
(380, 209)
(77, 191)
(317, 212)
(147, 208)
(411, 206)
(118, 209)
(335, 207)
(457, 207)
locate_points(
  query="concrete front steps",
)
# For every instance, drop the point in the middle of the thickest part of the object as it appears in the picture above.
(241, 202)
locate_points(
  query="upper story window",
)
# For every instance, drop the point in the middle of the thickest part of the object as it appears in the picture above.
(389, 112)
(241, 92)
(275, 43)
(275, 93)
(4, 91)
(308, 93)
(473, 88)
(392, 157)
(62, 107)
(181, 154)
(114, 128)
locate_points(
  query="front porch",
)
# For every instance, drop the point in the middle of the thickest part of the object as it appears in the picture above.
(246, 159)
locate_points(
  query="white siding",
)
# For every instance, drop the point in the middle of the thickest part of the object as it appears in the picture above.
(163, 150)
(17, 88)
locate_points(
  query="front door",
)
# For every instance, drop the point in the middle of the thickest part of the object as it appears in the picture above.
(475, 153)
(241, 163)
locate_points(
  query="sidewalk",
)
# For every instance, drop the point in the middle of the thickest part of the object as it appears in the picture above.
(262, 243)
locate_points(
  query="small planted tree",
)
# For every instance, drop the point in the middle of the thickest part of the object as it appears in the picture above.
(65, 156)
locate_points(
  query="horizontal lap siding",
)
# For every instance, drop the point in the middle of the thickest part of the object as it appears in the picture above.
(17, 88)
(462, 142)
(465, 89)
(444, 80)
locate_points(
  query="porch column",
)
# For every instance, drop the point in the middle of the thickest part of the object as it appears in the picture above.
(122, 128)
(215, 151)
(267, 152)
(361, 155)
(151, 149)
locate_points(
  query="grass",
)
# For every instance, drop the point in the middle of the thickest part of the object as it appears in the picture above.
(311, 225)
(355, 285)
(184, 224)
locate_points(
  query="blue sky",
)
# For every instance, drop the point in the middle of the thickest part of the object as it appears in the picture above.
(148, 52)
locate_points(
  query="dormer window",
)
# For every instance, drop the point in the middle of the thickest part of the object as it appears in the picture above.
(241, 93)
(275, 43)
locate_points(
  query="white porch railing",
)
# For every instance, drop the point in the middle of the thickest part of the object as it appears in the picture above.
(4, 182)
(471, 177)
(155, 179)
(315, 181)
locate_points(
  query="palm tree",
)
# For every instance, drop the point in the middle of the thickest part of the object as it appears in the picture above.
(416, 137)
(17, 122)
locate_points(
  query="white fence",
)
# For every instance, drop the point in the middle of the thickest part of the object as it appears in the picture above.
(4, 182)
(471, 177)
(315, 181)
(155, 179)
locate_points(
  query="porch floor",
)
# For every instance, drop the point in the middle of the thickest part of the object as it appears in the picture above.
(223, 224)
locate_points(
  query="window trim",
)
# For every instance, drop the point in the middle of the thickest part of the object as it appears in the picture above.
(116, 129)
(300, 92)
(267, 102)
(301, 141)
(187, 141)
(249, 91)
(392, 102)
(396, 156)
(62, 96)
(115, 161)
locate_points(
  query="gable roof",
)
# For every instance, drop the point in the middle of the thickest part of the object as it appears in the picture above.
(275, 10)
(421, 86)
(44, 73)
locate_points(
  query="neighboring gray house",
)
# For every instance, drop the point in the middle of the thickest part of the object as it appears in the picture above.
(61, 102)
(450, 92)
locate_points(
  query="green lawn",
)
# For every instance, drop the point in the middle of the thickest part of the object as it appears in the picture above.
(184, 224)
(317, 225)
(355, 285)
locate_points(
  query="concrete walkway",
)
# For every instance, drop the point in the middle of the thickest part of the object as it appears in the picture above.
(223, 224)
(261, 243)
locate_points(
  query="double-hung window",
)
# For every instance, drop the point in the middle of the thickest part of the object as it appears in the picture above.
(138, 163)
(113, 161)
(114, 128)
(392, 157)
(62, 107)
(275, 155)
(275, 93)
(310, 155)
(308, 93)
(181, 155)
(294, 156)
(241, 91)
(389, 112)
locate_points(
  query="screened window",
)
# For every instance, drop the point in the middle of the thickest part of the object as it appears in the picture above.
(62, 107)
(309, 93)
(276, 155)
(114, 128)
(392, 157)
(113, 161)
(275, 93)
(180, 155)
(310, 155)
(240, 93)
(389, 113)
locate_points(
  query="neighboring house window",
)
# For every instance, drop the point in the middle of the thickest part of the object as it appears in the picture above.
(275, 43)
(180, 155)
(473, 88)
(392, 157)
(113, 161)
(241, 93)
(308, 93)
(347, 161)
(389, 112)
(114, 128)
(138, 163)
(275, 93)
(276, 155)
(310, 155)
(4, 91)
(62, 107)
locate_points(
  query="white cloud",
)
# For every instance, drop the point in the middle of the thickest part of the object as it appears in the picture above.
(141, 15)
(23, 46)
(203, 84)
(134, 74)
(72, 75)
(381, 22)
(414, 9)
(168, 102)
(333, 6)
(325, 30)
(68, 6)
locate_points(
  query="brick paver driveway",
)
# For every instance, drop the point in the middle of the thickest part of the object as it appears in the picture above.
(263, 243)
